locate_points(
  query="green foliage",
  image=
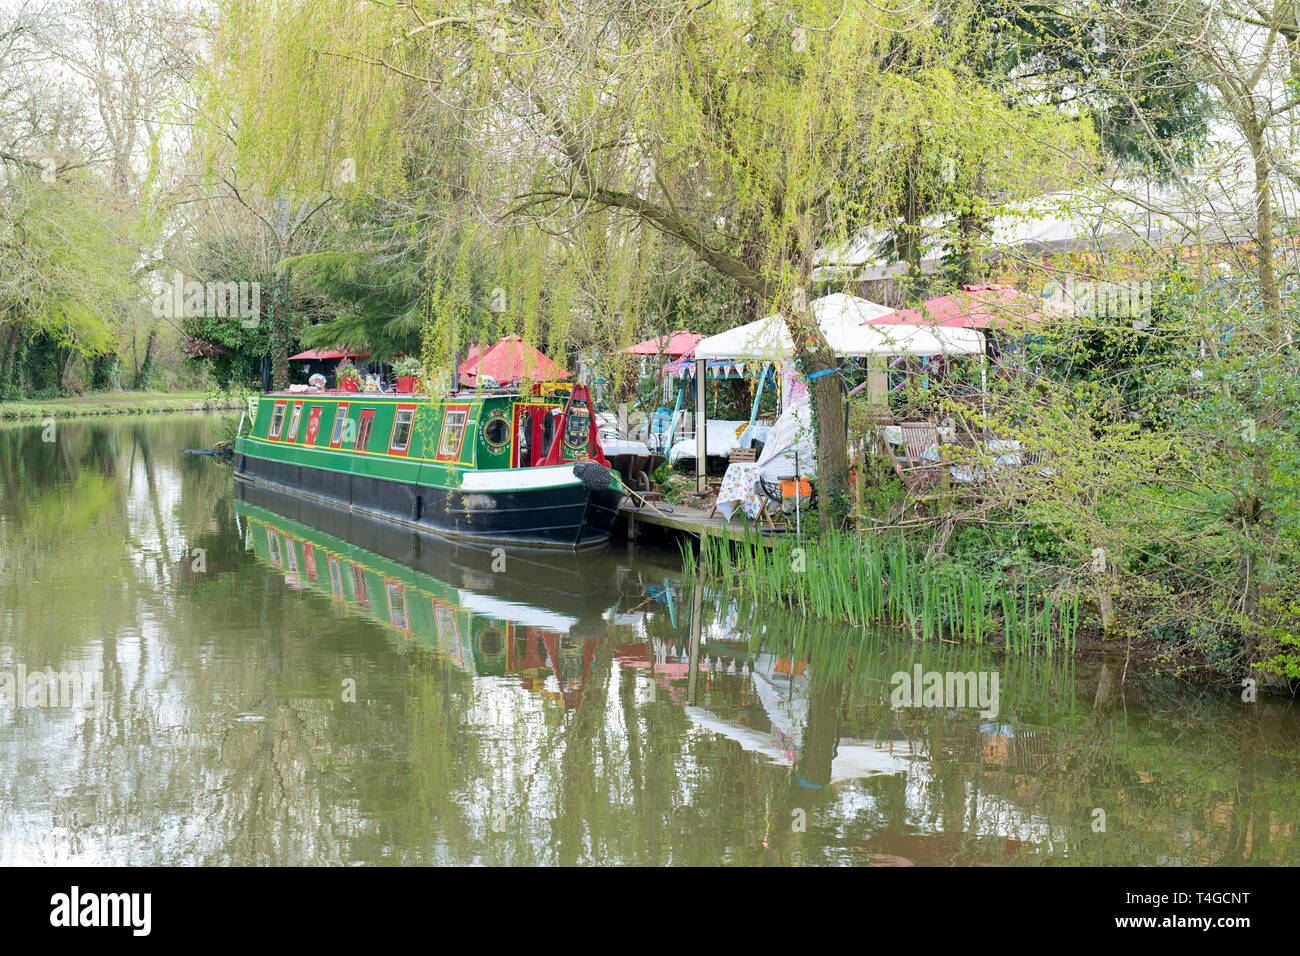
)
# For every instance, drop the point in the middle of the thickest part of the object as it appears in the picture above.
(869, 580)
(65, 278)
(1147, 106)
(377, 304)
(408, 365)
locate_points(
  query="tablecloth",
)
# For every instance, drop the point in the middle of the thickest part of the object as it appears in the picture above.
(739, 488)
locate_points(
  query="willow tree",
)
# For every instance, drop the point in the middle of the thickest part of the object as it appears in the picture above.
(752, 133)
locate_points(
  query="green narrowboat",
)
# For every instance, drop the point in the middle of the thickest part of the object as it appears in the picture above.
(507, 467)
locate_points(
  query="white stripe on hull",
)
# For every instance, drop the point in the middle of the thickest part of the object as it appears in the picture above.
(520, 479)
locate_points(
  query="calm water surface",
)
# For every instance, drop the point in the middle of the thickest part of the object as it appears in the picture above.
(279, 682)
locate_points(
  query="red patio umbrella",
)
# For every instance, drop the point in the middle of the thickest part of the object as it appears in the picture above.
(510, 360)
(974, 307)
(673, 346)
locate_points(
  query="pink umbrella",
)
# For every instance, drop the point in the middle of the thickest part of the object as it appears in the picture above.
(974, 307)
(674, 346)
(510, 360)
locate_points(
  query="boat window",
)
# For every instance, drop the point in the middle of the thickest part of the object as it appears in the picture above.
(293, 422)
(577, 427)
(453, 430)
(363, 430)
(340, 417)
(336, 577)
(277, 420)
(402, 429)
(548, 435)
(359, 585)
(397, 606)
(525, 439)
(496, 432)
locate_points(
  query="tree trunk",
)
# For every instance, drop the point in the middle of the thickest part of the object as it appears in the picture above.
(832, 453)
(280, 333)
(1269, 293)
(145, 372)
(13, 345)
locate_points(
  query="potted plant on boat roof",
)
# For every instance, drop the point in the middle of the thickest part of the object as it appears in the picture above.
(436, 382)
(348, 376)
(408, 371)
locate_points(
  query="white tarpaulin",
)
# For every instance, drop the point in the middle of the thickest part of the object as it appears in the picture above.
(721, 437)
(841, 318)
(791, 434)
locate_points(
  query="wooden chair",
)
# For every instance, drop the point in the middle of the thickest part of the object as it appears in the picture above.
(917, 472)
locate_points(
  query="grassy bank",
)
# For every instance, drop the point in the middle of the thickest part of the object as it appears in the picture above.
(118, 403)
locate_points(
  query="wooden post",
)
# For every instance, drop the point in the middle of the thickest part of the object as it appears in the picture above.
(860, 487)
(701, 426)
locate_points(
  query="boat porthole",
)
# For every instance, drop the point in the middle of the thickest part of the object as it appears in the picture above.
(491, 644)
(496, 432)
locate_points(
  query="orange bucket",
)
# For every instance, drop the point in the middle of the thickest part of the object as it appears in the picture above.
(788, 488)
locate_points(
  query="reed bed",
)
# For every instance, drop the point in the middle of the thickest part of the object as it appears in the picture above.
(879, 581)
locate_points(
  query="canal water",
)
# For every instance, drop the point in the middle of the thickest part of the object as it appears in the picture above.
(192, 673)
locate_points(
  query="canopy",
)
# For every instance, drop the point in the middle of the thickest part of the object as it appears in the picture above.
(920, 340)
(846, 322)
(974, 307)
(676, 345)
(324, 355)
(510, 360)
(840, 316)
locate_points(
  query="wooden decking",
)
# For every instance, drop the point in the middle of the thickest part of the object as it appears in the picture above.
(688, 520)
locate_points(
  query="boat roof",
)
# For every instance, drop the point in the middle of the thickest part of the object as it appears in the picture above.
(460, 395)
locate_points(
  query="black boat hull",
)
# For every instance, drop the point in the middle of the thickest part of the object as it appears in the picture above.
(572, 516)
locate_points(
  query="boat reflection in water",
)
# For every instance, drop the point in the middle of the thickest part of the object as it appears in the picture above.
(493, 612)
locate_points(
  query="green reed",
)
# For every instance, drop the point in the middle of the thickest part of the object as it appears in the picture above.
(881, 580)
